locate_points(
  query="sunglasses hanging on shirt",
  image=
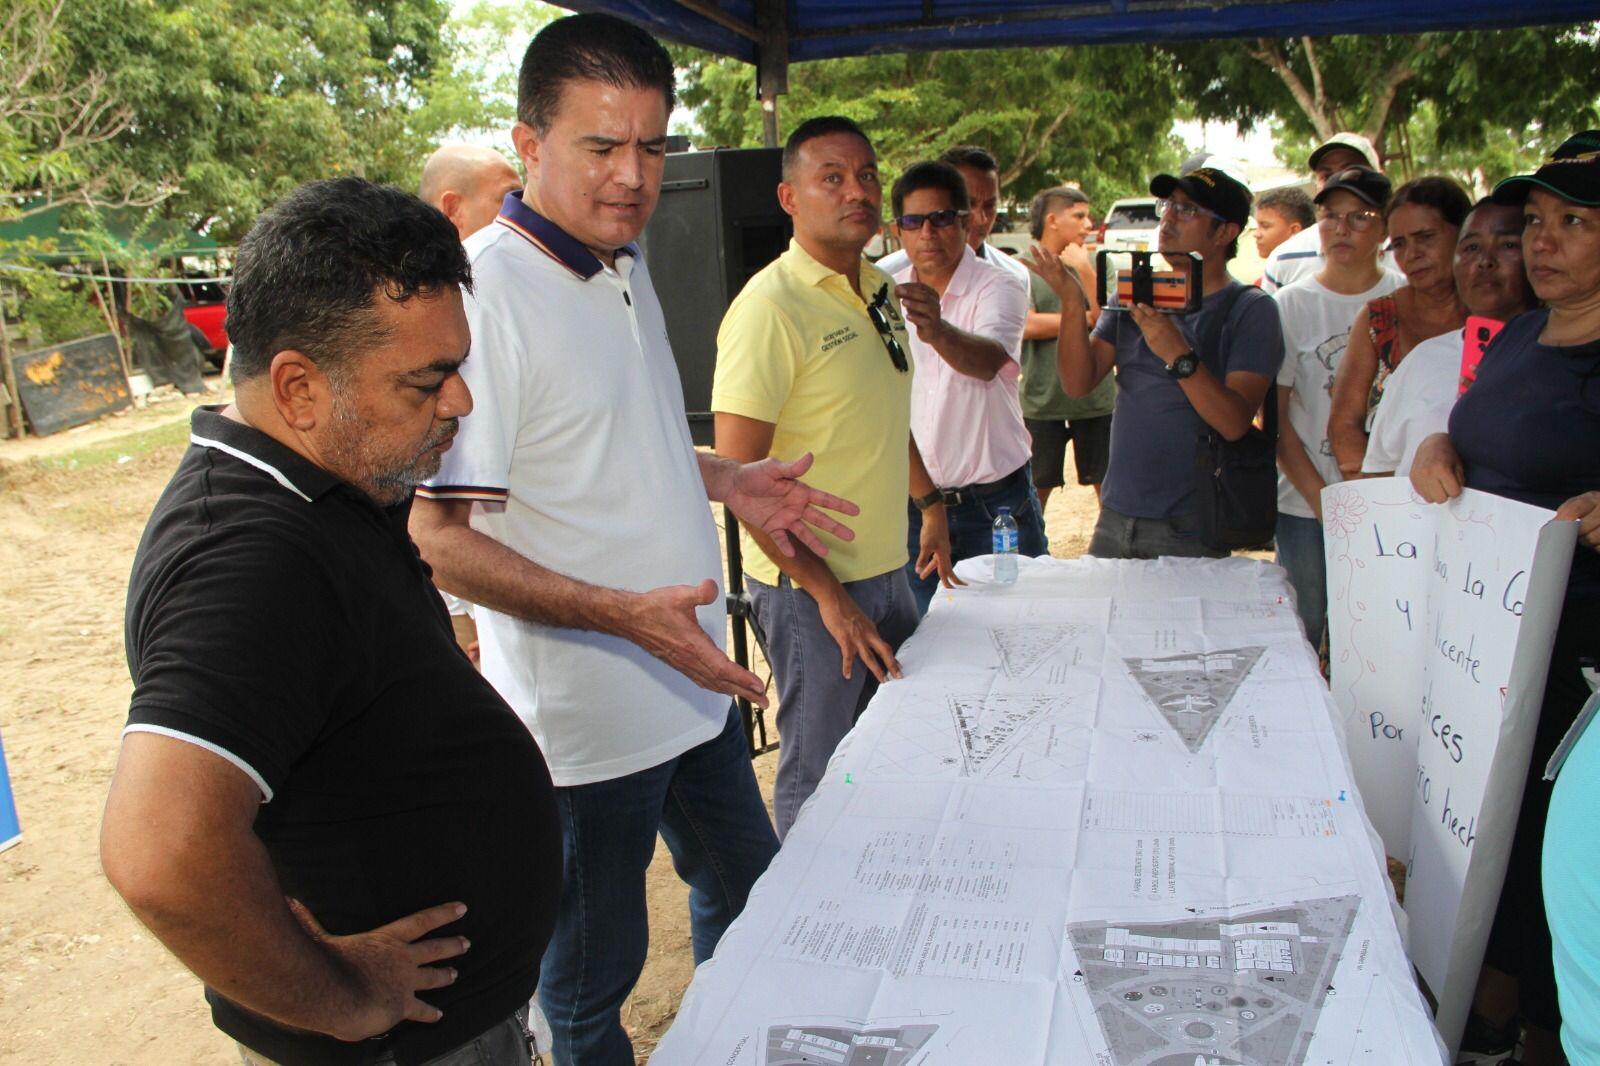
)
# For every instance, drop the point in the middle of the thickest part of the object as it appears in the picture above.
(878, 311)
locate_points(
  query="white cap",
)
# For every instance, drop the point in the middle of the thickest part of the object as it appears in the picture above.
(1352, 141)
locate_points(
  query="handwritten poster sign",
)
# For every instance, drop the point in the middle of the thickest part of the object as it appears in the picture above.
(1440, 625)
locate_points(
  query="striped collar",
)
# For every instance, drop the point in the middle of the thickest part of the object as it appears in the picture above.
(551, 239)
(210, 428)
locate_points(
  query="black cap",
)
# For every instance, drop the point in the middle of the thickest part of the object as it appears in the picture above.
(1212, 189)
(1364, 182)
(1572, 173)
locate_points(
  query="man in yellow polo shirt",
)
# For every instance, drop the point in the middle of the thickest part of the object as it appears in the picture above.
(813, 357)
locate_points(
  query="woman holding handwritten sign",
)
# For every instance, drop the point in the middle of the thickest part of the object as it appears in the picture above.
(1530, 430)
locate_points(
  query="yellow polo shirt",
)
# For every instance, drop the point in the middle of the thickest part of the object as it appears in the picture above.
(797, 349)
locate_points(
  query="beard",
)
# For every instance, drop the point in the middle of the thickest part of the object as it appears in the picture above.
(386, 477)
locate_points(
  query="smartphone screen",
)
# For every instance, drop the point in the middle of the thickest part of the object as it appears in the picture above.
(1170, 284)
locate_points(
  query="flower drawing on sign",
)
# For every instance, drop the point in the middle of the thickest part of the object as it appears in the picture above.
(1344, 513)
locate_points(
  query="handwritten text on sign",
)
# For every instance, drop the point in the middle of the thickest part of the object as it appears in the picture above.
(1426, 605)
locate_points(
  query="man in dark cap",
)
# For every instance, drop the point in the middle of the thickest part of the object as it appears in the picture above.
(1169, 391)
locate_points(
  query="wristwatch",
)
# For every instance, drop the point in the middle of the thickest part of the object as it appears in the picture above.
(1184, 366)
(925, 502)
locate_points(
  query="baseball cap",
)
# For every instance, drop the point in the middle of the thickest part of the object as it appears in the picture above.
(1352, 141)
(1211, 188)
(1572, 173)
(1373, 188)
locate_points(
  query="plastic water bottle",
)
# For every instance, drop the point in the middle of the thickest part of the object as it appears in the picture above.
(1005, 548)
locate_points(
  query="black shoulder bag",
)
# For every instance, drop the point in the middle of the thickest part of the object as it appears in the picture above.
(1236, 481)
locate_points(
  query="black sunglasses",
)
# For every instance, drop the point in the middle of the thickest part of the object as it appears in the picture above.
(877, 310)
(940, 219)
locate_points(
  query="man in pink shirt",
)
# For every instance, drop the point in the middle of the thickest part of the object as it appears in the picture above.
(966, 340)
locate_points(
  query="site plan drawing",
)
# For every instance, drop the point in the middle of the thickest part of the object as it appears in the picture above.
(1191, 691)
(844, 1045)
(1105, 818)
(1241, 990)
(1023, 647)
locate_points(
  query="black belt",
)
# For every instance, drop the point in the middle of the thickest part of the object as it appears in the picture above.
(971, 493)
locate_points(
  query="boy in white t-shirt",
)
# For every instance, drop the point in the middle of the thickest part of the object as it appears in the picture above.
(1316, 313)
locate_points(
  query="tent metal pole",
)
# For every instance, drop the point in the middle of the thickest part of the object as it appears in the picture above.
(772, 64)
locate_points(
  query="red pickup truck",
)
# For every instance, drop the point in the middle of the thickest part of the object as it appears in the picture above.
(207, 313)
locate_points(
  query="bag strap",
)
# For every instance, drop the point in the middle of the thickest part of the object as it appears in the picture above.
(1210, 350)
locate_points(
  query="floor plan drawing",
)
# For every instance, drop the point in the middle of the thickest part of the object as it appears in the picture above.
(846, 1044)
(988, 726)
(1023, 647)
(1240, 990)
(1191, 691)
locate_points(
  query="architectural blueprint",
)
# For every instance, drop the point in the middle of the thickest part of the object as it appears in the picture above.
(1105, 819)
(1193, 690)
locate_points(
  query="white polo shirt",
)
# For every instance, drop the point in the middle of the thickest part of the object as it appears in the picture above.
(971, 431)
(578, 453)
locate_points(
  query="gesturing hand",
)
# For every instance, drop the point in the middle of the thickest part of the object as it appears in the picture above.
(1585, 510)
(919, 304)
(857, 637)
(663, 623)
(390, 965)
(1063, 280)
(770, 497)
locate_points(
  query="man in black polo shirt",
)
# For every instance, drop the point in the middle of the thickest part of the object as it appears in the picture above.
(320, 807)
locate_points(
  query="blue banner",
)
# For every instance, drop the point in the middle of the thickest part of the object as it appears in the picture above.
(10, 828)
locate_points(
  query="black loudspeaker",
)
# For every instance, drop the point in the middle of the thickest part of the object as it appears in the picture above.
(718, 222)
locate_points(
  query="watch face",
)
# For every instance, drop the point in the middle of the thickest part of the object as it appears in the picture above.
(1183, 366)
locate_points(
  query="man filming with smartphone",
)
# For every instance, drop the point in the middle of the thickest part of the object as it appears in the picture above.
(1170, 390)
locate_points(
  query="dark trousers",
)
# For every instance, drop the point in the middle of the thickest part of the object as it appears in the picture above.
(972, 527)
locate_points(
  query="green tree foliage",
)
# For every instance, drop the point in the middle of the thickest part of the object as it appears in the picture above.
(1100, 118)
(234, 102)
(1432, 99)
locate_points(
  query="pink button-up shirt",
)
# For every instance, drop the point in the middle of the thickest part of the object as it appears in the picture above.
(970, 431)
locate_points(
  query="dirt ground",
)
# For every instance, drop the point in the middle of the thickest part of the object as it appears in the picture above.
(80, 980)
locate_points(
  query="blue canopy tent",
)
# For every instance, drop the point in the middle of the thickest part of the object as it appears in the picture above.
(773, 33)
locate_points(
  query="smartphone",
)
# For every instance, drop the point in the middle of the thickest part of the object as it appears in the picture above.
(1479, 332)
(1169, 283)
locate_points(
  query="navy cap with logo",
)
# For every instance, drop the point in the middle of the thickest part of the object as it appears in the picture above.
(1572, 173)
(1213, 189)
(1365, 183)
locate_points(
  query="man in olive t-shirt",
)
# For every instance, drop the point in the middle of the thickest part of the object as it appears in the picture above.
(1059, 220)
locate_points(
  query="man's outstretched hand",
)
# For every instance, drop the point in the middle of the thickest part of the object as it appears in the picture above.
(769, 496)
(663, 622)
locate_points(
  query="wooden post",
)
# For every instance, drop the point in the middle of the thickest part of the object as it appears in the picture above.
(13, 398)
(772, 65)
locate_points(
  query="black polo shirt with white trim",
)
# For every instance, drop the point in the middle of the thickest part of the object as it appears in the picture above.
(280, 619)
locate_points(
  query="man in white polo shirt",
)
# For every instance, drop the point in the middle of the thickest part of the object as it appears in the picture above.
(967, 317)
(573, 510)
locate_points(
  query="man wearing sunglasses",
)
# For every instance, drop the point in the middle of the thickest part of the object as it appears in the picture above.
(812, 356)
(968, 316)
(1168, 390)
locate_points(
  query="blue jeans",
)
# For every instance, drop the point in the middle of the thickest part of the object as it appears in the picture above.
(706, 805)
(972, 529)
(817, 704)
(1300, 553)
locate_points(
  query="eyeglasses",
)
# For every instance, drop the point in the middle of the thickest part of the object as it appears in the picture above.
(1358, 221)
(878, 311)
(940, 219)
(1184, 212)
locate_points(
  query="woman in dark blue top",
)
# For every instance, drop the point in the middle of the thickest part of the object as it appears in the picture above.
(1529, 430)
